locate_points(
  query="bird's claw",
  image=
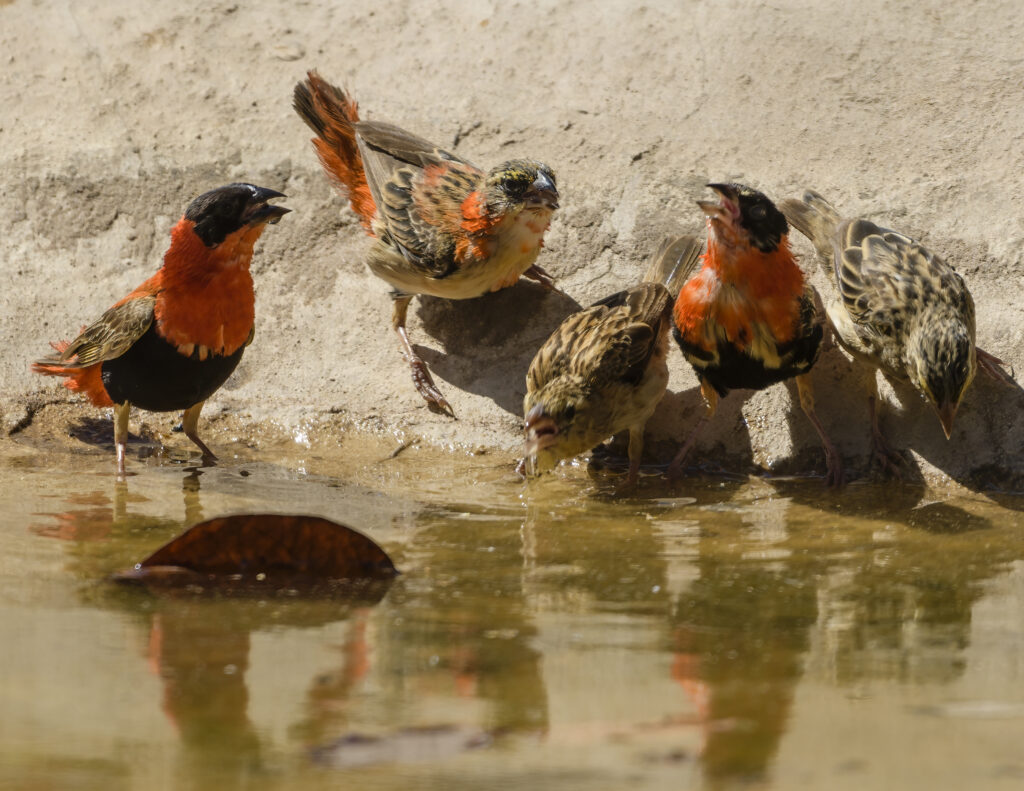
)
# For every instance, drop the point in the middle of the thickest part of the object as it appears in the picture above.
(425, 386)
(892, 462)
(996, 368)
(540, 276)
(834, 476)
(675, 470)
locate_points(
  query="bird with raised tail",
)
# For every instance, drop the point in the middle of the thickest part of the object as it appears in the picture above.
(441, 225)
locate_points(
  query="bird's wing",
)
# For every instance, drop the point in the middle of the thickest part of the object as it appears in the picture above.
(110, 336)
(802, 351)
(612, 340)
(885, 276)
(386, 148)
(419, 190)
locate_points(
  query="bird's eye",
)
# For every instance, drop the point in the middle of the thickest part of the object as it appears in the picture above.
(570, 412)
(758, 212)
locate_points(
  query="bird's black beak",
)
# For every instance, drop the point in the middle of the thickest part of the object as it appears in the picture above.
(543, 193)
(259, 211)
(727, 209)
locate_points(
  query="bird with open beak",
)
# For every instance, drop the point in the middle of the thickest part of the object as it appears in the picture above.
(173, 341)
(748, 318)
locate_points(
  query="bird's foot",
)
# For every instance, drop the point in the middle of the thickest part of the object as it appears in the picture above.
(675, 469)
(425, 386)
(834, 476)
(891, 461)
(542, 277)
(995, 368)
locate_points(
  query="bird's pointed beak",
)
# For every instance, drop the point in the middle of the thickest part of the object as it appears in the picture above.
(947, 412)
(543, 193)
(727, 209)
(541, 433)
(259, 211)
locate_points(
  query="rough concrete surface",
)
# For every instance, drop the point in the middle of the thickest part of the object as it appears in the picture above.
(116, 114)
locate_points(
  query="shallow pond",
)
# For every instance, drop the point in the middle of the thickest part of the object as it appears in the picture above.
(720, 634)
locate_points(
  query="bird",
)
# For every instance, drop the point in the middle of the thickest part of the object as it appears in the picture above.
(174, 340)
(748, 318)
(605, 368)
(441, 225)
(898, 307)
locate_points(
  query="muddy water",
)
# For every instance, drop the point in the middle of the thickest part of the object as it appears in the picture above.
(727, 634)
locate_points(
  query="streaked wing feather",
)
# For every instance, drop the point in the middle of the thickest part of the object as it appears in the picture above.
(882, 275)
(111, 335)
(420, 211)
(612, 340)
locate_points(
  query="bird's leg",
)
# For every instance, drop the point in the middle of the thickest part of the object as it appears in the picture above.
(190, 425)
(890, 460)
(993, 367)
(421, 377)
(636, 451)
(121, 412)
(833, 461)
(711, 406)
(542, 277)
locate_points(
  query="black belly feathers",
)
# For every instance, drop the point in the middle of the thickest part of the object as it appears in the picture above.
(153, 375)
(732, 368)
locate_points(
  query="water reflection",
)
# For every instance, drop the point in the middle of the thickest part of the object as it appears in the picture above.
(200, 647)
(739, 634)
(458, 627)
(671, 632)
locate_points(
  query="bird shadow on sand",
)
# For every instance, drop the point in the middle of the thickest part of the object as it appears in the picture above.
(490, 341)
(983, 454)
(98, 432)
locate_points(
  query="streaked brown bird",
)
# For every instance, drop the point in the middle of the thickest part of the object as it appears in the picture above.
(441, 225)
(898, 307)
(748, 318)
(604, 369)
(175, 340)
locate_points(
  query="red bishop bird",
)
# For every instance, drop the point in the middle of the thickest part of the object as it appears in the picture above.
(175, 340)
(748, 318)
(441, 226)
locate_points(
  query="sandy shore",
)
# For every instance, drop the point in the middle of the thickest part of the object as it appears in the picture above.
(116, 115)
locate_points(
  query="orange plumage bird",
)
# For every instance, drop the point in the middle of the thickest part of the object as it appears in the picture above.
(441, 225)
(175, 340)
(748, 318)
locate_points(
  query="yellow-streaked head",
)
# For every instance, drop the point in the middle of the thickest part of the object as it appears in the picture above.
(941, 362)
(561, 422)
(521, 184)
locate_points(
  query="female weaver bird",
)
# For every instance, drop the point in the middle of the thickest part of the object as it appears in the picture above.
(176, 338)
(900, 308)
(604, 369)
(441, 226)
(748, 319)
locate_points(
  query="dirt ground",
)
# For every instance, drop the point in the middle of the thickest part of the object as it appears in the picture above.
(116, 114)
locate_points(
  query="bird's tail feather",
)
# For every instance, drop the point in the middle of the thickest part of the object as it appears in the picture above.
(332, 114)
(815, 218)
(673, 262)
(88, 380)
